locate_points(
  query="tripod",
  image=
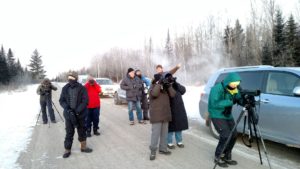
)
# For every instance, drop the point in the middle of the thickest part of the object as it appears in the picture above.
(55, 109)
(249, 112)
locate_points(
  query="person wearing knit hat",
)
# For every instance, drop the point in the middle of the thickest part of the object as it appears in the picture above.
(133, 87)
(74, 100)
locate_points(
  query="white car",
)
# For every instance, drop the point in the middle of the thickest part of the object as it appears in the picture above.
(107, 86)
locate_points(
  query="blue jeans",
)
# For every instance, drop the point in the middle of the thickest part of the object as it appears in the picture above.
(138, 109)
(93, 118)
(178, 137)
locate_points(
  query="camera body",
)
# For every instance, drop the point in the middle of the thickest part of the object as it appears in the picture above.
(167, 78)
(249, 97)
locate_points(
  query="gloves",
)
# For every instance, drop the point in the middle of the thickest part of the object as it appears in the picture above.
(73, 118)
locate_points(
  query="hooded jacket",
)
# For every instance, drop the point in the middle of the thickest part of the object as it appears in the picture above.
(220, 98)
(93, 93)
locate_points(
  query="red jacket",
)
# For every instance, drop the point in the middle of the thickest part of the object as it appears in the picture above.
(93, 93)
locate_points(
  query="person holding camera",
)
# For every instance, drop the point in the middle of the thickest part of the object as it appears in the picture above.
(93, 90)
(221, 99)
(160, 113)
(74, 100)
(45, 92)
(133, 87)
(159, 69)
(179, 117)
(145, 87)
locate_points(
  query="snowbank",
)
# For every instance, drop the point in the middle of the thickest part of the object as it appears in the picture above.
(191, 101)
(18, 114)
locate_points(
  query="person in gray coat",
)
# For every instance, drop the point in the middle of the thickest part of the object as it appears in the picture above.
(133, 87)
(45, 92)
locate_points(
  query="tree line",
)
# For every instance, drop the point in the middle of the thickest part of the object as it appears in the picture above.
(267, 39)
(13, 74)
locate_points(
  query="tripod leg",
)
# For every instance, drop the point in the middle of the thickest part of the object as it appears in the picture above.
(257, 142)
(57, 111)
(230, 135)
(264, 146)
(38, 117)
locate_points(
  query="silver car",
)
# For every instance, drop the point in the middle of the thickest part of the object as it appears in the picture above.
(279, 102)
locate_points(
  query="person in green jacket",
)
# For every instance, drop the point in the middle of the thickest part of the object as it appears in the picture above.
(221, 99)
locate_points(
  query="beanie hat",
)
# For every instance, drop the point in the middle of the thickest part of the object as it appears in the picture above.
(73, 75)
(130, 70)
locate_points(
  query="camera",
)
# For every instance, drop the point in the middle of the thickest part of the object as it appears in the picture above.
(249, 97)
(167, 78)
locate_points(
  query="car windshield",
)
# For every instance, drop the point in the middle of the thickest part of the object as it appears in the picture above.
(104, 81)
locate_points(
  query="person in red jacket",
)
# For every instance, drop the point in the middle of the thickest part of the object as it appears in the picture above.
(93, 90)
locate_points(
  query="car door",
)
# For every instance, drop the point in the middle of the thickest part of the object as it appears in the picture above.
(280, 109)
(251, 81)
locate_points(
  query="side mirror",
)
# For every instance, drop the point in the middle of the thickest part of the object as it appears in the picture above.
(296, 91)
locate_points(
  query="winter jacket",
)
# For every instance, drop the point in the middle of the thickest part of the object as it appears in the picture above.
(220, 99)
(160, 110)
(45, 91)
(74, 97)
(133, 88)
(93, 93)
(179, 118)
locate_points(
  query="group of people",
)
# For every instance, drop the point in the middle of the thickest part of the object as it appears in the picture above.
(161, 103)
(81, 106)
(167, 113)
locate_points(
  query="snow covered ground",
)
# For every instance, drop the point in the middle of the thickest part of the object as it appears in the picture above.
(18, 114)
(191, 101)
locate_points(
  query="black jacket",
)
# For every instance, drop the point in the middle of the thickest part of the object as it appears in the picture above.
(179, 118)
(74, 97)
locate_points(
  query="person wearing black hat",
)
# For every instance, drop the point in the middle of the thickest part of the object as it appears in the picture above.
(74, 100)
(145, 88)
(133, 87)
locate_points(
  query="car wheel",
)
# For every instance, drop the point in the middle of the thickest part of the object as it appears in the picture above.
(213, 130)
(117, 99)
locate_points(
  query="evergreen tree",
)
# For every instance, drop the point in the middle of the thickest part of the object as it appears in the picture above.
(266, 55)
(279, 40)
(297, 51)
(291, 40)
(36, 67)
(4, 74)
(228, 39)
(238, 41)
(12, 69)
(169, 48)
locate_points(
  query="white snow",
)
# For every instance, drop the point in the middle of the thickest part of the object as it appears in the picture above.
(191, 101)
(19, 110)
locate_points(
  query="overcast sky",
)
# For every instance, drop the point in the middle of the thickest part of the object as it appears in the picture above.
(68, 33)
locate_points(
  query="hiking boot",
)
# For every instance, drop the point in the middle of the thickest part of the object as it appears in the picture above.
(228, 160)
(131, 122)
(165, 152)
(171, 146)
(221, 163)
(180, 145)
(84, 148)
(152, 155)
(67, 153)
(96, 133)
(88, 134)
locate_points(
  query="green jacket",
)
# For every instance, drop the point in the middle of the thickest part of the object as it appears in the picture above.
(220, 98)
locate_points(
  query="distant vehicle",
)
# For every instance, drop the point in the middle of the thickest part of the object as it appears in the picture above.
(107, 86)
(279, 108)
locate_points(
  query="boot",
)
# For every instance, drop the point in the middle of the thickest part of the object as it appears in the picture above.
(88, 133)
(221, 162)
(152, 155)
(84, 148)
(67, 153)
(96, 132)
(227, 158)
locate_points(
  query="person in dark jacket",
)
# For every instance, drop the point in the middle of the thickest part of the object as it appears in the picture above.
(93, 90)
(74, 100)
(45, 92)
(145, 87)
(159, 69)
(160, 114)
(133, 87)
(221, 99)
(179, 118)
